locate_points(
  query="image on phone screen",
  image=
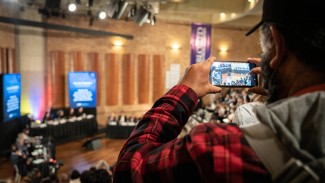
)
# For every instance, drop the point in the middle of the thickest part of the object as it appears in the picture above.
(232, 74)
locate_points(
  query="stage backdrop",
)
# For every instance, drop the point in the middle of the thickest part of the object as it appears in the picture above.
(200, 42)
(82, 89)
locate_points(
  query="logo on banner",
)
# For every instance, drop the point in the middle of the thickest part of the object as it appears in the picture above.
(200, 42)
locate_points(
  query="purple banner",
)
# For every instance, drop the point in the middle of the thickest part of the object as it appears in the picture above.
(200, 42)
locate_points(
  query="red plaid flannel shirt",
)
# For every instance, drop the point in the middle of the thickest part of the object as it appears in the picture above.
(209, 153)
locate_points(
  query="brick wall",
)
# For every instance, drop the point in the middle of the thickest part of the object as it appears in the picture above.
(149, 40)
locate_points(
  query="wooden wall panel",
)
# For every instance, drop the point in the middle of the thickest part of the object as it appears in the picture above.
(158, 77)
(3, 60)
(11, 60)
(112, 79)
(128, 64)
(94, 64)
(57, 69)
(76, 63)
(143, 79)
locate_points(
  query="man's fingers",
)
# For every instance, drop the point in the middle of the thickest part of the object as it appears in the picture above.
(256, 61)
(256, 70)
(258, 90)
(215, 89)
(210, 61)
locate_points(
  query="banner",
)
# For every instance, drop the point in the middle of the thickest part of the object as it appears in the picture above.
(200, 42)
(82, 89)
(11, 96)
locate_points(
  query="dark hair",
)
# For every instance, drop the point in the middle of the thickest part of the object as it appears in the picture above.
(307, 42)
(95, 176)
(75, 174)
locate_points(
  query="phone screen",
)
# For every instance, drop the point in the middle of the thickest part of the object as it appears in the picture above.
(232, 74)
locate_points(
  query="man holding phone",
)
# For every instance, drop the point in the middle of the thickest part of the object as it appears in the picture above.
(293, 71)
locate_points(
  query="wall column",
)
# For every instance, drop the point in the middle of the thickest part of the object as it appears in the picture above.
(31, 59)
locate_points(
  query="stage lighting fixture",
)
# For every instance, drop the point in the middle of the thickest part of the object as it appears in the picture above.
(141, 16)
(90, 3)
(120, 9)
(102, 15)
(112, 7)
(153, 20)
(51, 8)
(72, 7)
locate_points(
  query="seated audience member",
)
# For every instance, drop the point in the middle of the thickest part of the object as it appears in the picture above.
(112, 117)
(36, 175)
(75, 177)
(72, 113)
(47, 117)
(132, 118)
(81, 113)
(245, 115)
(26, 179)
(64, 178)
(293, 71)
(60, 115)
(95, 176)
(102, 164)
(122, 118)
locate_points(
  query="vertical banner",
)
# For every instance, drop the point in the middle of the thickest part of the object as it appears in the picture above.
(82, 89)
(200, 42)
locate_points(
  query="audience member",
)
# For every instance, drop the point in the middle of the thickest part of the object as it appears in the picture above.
(47, 117)
(60, 115)
(95, 176)
(81, 113)
(72, 113)
(75, 177)
(112, 117)
(64, 178)
(292, 38)
(122, 118)
(132, 118)
(102, 164)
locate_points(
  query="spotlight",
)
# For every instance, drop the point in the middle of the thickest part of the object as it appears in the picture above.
(141, 16)
(72, 7)
(120, 9)
(102, 15)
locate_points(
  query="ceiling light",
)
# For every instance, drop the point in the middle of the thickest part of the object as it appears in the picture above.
(175, 46)
(102, 15)
(72, 7)
(222, 15)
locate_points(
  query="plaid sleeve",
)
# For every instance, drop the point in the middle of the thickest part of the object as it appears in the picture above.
(210, 153)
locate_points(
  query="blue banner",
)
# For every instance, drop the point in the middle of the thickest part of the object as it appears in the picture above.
(11, 96)
(82, 89)
(200, 42)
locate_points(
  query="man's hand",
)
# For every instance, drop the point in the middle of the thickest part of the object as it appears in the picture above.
(257, 70)
(197, 77)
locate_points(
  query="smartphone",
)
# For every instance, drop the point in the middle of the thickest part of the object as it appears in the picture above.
(232, 74)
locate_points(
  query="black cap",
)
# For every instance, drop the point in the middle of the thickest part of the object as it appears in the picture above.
(292, 12)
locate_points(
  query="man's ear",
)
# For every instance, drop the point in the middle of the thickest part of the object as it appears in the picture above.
(279, 47)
